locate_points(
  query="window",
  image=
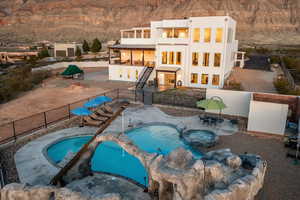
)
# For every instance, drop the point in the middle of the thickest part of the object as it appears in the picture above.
(126, 57)
(138, 33)
(128, 34)
(178, 58)
(167, 33)
(219, 35)
(171, 58)
(194, 78)
(164, 57)
(206, 59)
(207, 35)
(216, 79)
(147, 34)
(181, 33)
(204, 79)
(217, 60)
(195, 58)
(196, 35)
(149, 58)
(128, 73)
(137, 57)
(136, 74)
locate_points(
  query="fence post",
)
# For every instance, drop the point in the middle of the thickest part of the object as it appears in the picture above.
(14, 129)
(69, 110)
(45, 119)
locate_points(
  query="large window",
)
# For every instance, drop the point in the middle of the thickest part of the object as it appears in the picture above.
(207, 35)
(194, 78)
(216, 79)
(171, 58)
(128, 34)
(167, 33)
(205, 59)
(147, 34)
(217, 60)
(175, 33)
(196, 35)
(125, 57)
(137, 57)
(181, 33)
(149, 57)
(178, 58)
(219, 35)
(164, 59)
(138, 33)
(204, 79)
(195, 58)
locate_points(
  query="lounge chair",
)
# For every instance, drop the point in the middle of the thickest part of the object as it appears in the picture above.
(91, 122)
(106, 108)
(100, 112)
(94, 116)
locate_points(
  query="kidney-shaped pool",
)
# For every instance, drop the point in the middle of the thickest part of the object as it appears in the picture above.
(109, 157)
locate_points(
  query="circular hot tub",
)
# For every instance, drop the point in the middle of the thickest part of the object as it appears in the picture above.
(200, 138)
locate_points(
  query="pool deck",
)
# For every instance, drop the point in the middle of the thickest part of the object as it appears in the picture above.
(33, 167)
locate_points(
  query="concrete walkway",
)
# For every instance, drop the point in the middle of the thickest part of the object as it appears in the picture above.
(32, 165)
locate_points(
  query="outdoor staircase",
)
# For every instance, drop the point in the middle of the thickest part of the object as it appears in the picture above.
(143, 78)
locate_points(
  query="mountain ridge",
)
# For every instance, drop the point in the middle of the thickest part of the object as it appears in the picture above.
(258, 21)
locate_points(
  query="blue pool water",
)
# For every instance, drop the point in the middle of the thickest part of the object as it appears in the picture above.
(111, 158)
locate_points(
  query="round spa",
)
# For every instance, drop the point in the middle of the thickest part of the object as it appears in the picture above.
(200, 138)
(110, 158)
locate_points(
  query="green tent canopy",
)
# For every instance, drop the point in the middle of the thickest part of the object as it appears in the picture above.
(71, 70)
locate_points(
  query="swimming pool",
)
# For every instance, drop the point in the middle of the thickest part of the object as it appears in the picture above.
(109, 157)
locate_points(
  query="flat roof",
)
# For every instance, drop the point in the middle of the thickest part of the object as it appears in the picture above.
(133, 46)
(168, 69)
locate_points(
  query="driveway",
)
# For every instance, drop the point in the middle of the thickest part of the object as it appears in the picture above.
(257, 62)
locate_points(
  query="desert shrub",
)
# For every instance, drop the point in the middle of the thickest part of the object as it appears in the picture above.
(275, 59)
(282, 86)
(20, 80)
(234, 85)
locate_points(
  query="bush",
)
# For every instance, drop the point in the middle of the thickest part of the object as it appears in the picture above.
(234, 85)
(96, 46)
(282, 86)
(275, 59)
(85, 46)
(43, 53)
(20, 80)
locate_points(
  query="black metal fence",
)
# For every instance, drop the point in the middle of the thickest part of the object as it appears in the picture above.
(12, 130)
(25, 126)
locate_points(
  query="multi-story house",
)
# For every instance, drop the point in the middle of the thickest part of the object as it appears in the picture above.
(193, 52)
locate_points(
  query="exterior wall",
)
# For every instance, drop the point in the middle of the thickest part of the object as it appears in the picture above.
(238, 103)
(64, 47)
(120, 72)
(267, 117)
(187, 46)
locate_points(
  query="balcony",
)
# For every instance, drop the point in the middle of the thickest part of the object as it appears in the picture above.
(136, 36)
(174, 36)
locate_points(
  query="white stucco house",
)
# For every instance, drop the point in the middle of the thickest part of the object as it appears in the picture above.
(192, 52)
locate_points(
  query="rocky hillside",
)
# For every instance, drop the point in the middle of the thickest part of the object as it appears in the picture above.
(259, 21)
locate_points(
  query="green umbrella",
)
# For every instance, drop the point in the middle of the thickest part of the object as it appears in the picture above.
(211, 104)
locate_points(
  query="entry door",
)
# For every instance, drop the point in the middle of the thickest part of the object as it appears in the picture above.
(169, 79)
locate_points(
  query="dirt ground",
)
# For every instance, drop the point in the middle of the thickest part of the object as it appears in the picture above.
(253, 80)
(56, 92)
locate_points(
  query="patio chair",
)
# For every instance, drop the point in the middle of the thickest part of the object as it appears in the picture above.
(213, 121)
(94, 116)
(90, 122)
(206, 121)
(106, 108)
(234, 121)
(201, 117)
(100, 112)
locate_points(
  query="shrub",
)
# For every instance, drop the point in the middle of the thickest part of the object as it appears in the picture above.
(85, 46)
(234, 85)
(282, 86)
(275, 59)
(96, 46)
(43, 53)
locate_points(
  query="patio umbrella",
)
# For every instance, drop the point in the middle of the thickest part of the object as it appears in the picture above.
(214, 103)
(103, 99)
(92, 103)
(81, 111)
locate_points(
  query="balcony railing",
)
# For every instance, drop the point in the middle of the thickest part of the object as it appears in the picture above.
(133, 63)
